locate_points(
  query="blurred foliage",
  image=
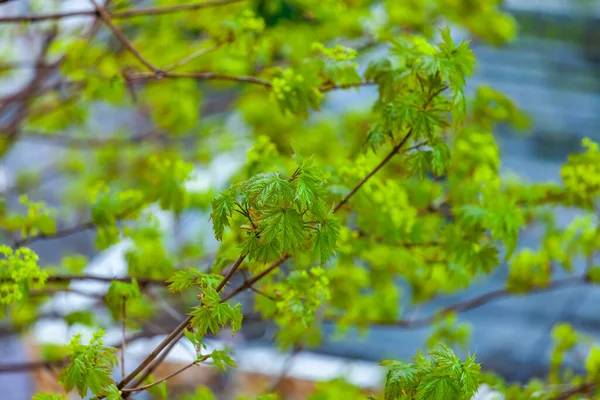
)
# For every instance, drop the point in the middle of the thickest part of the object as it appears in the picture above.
(330, 210)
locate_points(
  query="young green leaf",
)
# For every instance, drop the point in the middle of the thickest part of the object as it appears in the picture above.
(325, 239)
(223, 207)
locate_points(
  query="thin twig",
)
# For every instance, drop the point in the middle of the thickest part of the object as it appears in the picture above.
(230, 273)
(192, 57)
(154, 364)
(29, 366)
(170, 341)
(179, 371)
(205, 76)
(68, 278)
(329, 88)
(122, 38)
(57, 235)
(122, 14)
(177, 332)
(52, 291)
(255, 290)
(581, 389)
(67, 231)
(32, 89)
(284, 370)
(480, 301)
(374, 171)
(123, 338)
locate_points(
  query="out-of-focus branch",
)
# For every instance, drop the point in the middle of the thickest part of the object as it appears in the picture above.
(29, 366)
(121, 14)
(84, 226)
(10, 132)
(122, 38)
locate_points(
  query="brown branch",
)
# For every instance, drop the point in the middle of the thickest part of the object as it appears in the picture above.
(230, 273)
(197, 75)
(153, 365)
(179, 371)
(153, 362)
(119, 15)
(194, 55)
(123, 328)
(51, 292)
(29, 366)
(255, 290)
(258, 277)
(122, 38)
(29, 91)
(395, 150)
(57, 235)
(91, 142)
(374, 171)
(328, 88)
(177, 332)
(584, 388)
(24, 94)
(68, 231)
(68, 278)
(480, 301)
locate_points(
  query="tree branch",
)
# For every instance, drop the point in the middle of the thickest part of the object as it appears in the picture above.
(329, 88)
(205, 76)
(29, 366)
(581, 389)
(139, 389)
(51, 292)
(119, 15)
(123, 328)
(68, 278)
(68, 231)
(374, 171)
(122, 38)
(152, 366)
(57, 235)
(480, 301)
(177, 332)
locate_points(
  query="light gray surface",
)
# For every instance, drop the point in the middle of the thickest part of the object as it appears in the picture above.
(13, 386)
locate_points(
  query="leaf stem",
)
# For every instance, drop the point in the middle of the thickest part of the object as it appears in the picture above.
(179, 371)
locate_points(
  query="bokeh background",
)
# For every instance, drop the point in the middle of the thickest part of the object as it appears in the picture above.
(552, 72)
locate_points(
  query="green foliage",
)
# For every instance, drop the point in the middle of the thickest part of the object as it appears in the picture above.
(450, 333)
(565, 339)
(90, 367)
(119, 294)
(37, 219)
(159, 391)
(19, 269)
(222, 359)
(336, 389)
(201, 393)
(46, 396)
(213, 315)
(579, 174)
(294, 92)
(75, 264)
(80, 317)
(279, 215)
(190, 277)
(401, 190)
(441, 376)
